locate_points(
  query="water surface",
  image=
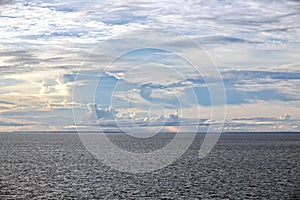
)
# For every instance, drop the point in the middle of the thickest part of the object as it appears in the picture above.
(241, 166)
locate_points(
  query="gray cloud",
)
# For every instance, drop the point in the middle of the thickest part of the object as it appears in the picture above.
(12, 124)
(6, 102)
(4, 108)
(261, 74)
(3, 2)
(19, 61)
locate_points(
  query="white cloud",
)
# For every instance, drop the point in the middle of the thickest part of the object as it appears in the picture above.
(96, 114)
(285, 116)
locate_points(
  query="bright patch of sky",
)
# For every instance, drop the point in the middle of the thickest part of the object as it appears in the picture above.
(57, 57)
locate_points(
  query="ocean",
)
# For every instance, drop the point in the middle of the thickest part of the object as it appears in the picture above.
(241, 166)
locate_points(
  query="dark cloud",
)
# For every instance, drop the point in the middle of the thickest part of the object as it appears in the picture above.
(17, 61)
(12, 124)
(3, 108)
(6, 102)
(281, 29)
(224, 40)
(239, 75)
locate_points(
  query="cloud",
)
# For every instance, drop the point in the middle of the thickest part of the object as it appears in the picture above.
(59, 85)
(96, 114)
(274, 84)
(109, 117)
(249, 86)
(217, 40)
(6, 102)
(165, 97)
(3, 108)
(130, 121)
(242, 88)
(283, 123)
(285, 116)
(12, 124)
(46, 44)
(6, 106)
(262, 75)
(3, 2)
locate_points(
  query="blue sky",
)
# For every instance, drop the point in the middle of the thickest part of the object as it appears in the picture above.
(57, 59)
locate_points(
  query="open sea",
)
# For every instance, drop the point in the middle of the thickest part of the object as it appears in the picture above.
(241, 166)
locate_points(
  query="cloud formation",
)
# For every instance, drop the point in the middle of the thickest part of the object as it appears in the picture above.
(46, 50)
(96, 114)
(109, 117)
(285, 116)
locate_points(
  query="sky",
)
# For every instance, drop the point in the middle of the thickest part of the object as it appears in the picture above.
(155, 65)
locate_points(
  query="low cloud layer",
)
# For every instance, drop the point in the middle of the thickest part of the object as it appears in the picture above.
(109, 117)
(111, 120)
